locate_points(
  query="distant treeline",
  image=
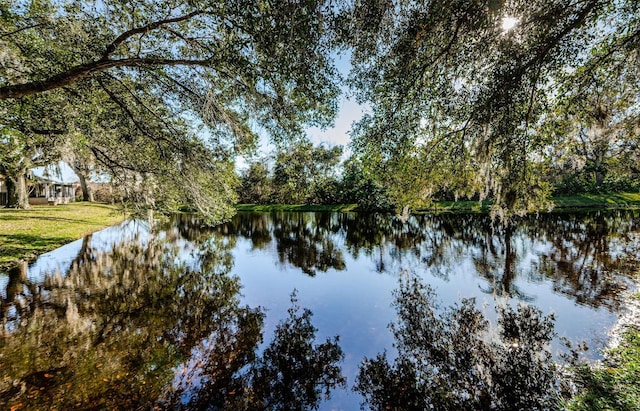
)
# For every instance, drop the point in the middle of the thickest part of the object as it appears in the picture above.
(304, 174)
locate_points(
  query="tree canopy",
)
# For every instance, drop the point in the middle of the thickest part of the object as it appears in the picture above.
(169, 83)
(459, 90)
(474, 99)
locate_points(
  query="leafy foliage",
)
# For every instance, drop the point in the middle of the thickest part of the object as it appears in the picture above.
(594, 133)
(303, 174)
(459, 101)
(255, 184)
(164, 94)
(300, 174)
(360, 187)
(306, 174)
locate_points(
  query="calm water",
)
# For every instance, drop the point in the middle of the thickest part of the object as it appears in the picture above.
(126, 319)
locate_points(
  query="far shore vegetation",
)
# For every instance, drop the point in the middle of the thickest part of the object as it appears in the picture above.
(26, 234)
(561, 203)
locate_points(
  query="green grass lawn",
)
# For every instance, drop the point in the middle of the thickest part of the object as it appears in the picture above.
(456, 207)
(562, 203)
(25, 234)
(616, 200)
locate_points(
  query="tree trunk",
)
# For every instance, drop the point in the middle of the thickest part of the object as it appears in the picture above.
(17, 194)
(599, 169)
(87, 192)
(12, 197)
(81, 171)
(599, 178)
(23, 193)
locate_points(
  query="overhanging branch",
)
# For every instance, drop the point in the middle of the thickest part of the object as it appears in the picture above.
(85, 70)
(144, 29)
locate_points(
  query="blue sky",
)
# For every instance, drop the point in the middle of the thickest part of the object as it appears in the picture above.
(348, 112)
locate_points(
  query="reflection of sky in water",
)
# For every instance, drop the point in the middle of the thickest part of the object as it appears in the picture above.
(4, 281)
(355, 302)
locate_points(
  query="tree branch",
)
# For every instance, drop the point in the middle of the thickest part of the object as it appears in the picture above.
(126, 110)
(104, 159)
(20, 29)
(141, 103)
(144, 29)
(85, 70)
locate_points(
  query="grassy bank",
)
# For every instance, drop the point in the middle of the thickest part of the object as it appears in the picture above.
(613, 200)
(615, 383)
(562, 203)
(25, 234)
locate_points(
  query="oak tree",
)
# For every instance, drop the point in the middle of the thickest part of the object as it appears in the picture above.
(457, 89)
(224, 69)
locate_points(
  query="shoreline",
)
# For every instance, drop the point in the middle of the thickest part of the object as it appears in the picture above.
(630, 319)
(562, 204)
(27, 234)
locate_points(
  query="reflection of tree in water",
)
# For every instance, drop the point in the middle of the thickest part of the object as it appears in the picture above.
(306, 240)
(13, 302)
(591, 254)
(441, 243)
(291, 374)
(120, 329)
(112, 332)
(582, 254)
(586, 256)
(497, 262)
(256, 227)
(452, 237)
(453, 360)
(381, 237)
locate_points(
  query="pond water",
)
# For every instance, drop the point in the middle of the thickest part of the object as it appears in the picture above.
(191, 316)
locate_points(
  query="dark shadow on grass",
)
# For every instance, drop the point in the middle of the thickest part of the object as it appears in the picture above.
(62, 219)
(45, 218)
(601, 392)
(27, 247)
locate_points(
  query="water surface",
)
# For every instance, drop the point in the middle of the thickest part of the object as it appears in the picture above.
(125, 318)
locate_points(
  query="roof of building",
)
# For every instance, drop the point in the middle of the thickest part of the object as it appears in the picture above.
(59, 173)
